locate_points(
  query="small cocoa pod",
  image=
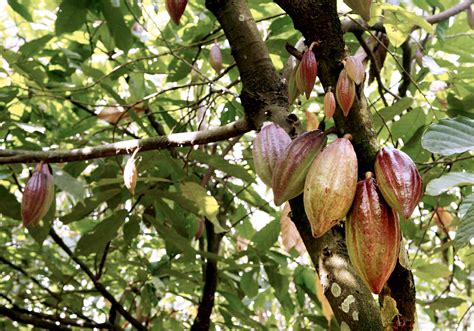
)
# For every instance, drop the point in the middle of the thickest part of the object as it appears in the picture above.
(307, 72)
(215, 57)
(130, 174)
(355, 69)
(175, 9)
(330, 186)
(293, 91)
(361, 7)
(345, 92)
(268, 146)
(291, 169)
(398, 180)
(38, 195)
(329, 104)
(372, 235)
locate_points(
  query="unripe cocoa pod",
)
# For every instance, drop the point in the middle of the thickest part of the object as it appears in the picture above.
(372, 235)
(307, 72)
(345, 92)
(329, 104)
(130, 174)
(361, 7)
(268, 146)
(215, 57)
(291, 169)
(355, 69)
(38, 195)
(293, 91)
(330, 186)
(175, 9)
(398, 180)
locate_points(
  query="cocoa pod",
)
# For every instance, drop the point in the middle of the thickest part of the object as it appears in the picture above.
(307, 72)
(130, 174)
(268, 146)
(38, 195)
(293, 91)
(330, 186)
(372, 235)
(291, 169)
(398, 180)
(345, 92)
(329, 104)
(215, 57)
(175, 9)
(361, 7)
(355, 69)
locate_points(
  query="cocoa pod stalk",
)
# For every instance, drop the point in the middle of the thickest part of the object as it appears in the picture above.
(372, 235)
(38, 195)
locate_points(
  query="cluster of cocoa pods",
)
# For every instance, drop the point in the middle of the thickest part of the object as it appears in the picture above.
(328, 177)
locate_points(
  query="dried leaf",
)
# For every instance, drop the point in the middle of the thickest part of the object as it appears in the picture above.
(326, 307)
(289, 234)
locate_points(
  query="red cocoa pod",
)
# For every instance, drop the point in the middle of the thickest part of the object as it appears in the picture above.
(268, 146)
(345, 92)
(215, 57)
(175, 9)
(361, 7)
(200, 229)
(38, 195)
(355, 69)
(372, 235)
(130, 174)
(398, 180)
(291, 169)
(329, 104)
(307, 72)
(330, 186)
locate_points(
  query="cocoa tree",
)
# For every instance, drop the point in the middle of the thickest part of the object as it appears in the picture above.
(169, 97)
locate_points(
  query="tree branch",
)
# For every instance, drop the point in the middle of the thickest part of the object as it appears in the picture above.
(125, 147)
(101, 288)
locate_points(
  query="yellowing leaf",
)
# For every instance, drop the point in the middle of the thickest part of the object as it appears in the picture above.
(289, 234)
(312, 121)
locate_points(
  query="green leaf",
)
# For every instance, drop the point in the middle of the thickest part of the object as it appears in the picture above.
(223, 165)
(267, 236)
(117, 28)
(445, 303)
(9, 206)
(96, 240)
(465, 231)
(450, 136)
(71, 16)
(466, 204)
(68, 184)
(448, 181)
(34, 46)
(388, 113)
(8, 93)
(21, 10)
(131, 229)
(434, 270)
(249, 284)
(408, 124)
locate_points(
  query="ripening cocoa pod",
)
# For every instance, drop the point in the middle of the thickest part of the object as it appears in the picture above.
(215, 57)
(329, 104)
(291, 169)
(130, 174)
(345, 92)
(361, 7)
(307, 72)
(330, 185)
(175, 9)
(268, 146)
(293, 91)
(372, 235)
(355, 69)
(398, 180)
(38, 195)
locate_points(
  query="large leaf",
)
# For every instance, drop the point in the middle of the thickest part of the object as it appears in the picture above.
(465, 231)
(9, 205)
(448, 181)
(68, 184)
(450, 136)
(118, 29)
(96, 240)
(388, 113)
(267, 236)
(20, 9)
(71, 16)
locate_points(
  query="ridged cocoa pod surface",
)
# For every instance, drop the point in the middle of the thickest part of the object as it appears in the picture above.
(329, 104)
(372, 235)
(345, 92)
(398, 180)
(38, 195)
(307, 72)
(175, 9)
(215, 57)
(355, 69)
(330, 186)
(268, 146)
(291, 169)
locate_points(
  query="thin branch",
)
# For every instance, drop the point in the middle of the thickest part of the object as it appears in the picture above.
(101, 288)
(125, 147)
